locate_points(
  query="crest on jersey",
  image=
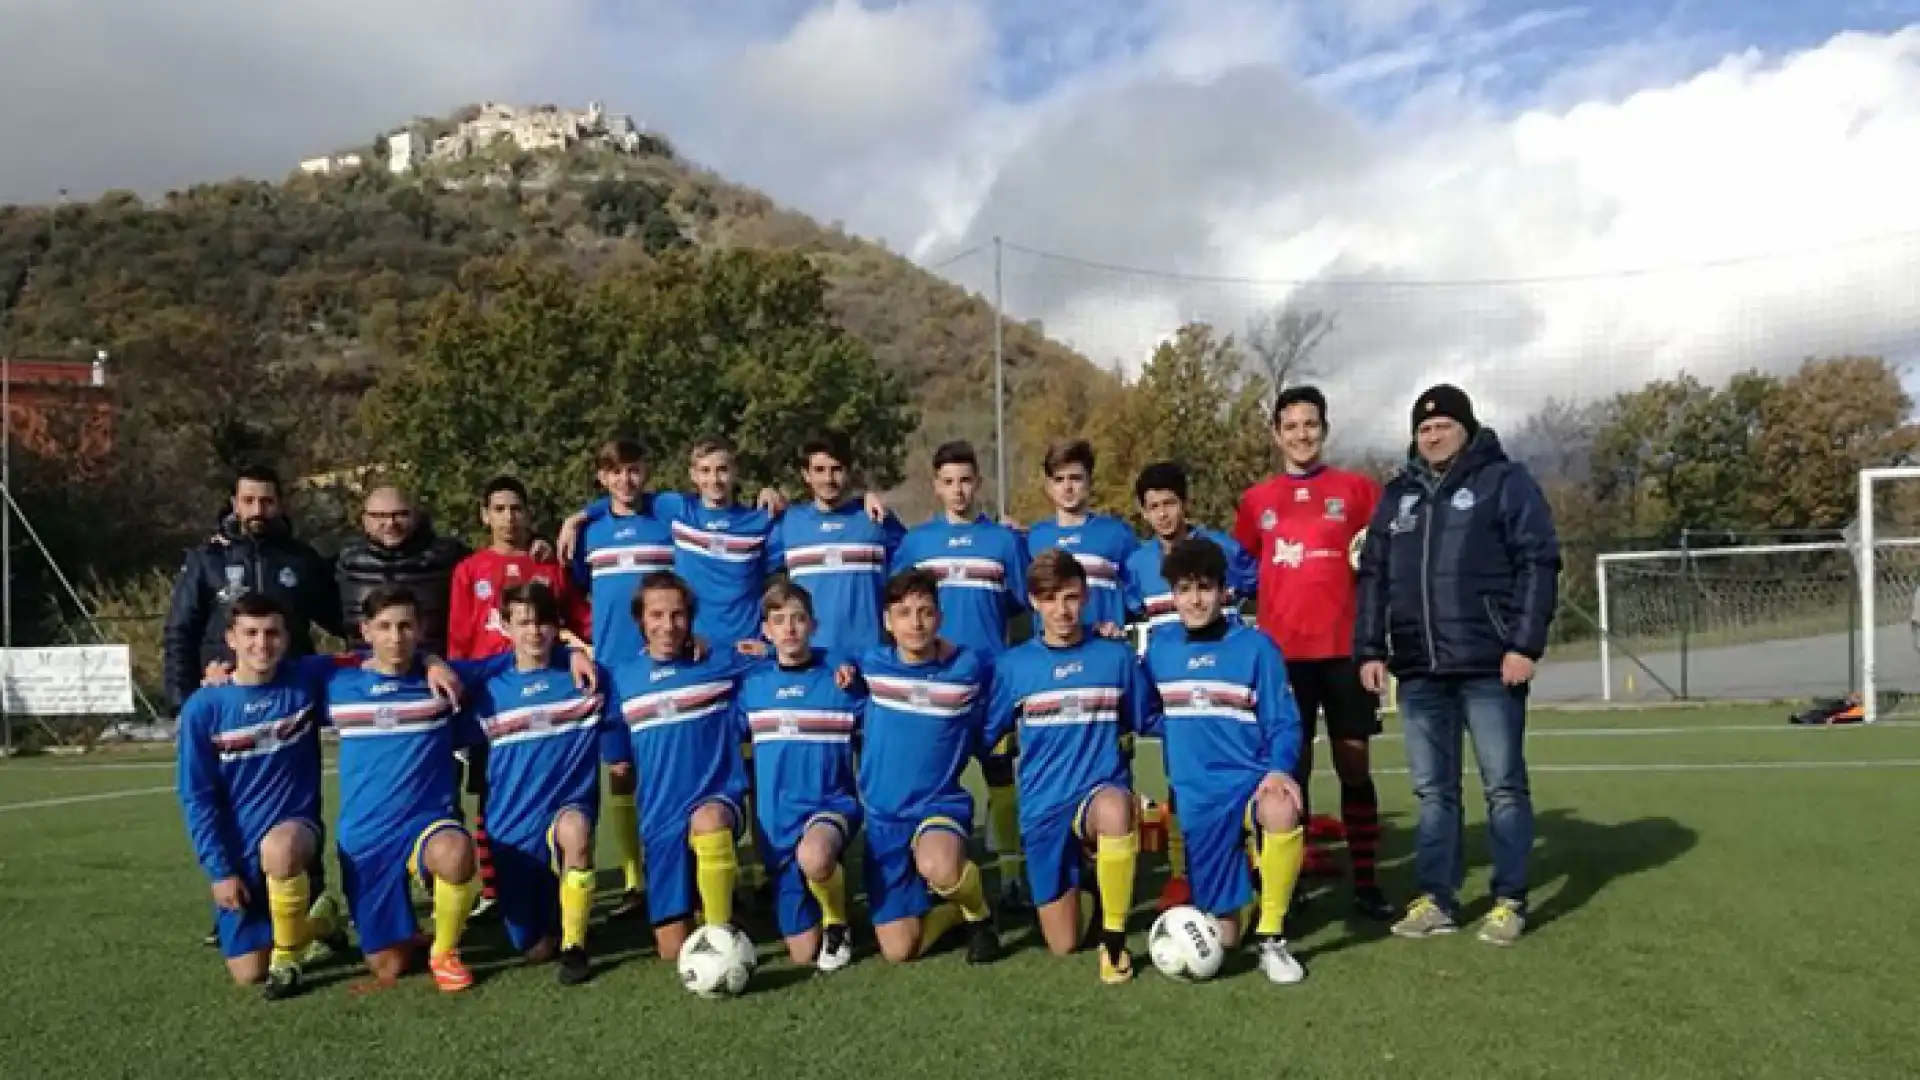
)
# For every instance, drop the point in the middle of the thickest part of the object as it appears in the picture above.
(716, 545)
(1463, 500)
(626, 560)
(1200, 699)
(483, 589)
(267, 738)
(789, 724)
(669, 708)
(920, 696)
(1336, 509)
(957, 572)
(832, 558)
(1268, 519)
(386, 718)
(540, 720)
(1071, 708)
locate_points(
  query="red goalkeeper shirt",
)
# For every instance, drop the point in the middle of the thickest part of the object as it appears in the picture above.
(1300, 528)
(476, 627)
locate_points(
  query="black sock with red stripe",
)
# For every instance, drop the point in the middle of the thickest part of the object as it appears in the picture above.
(483, 855)
(1360, 813)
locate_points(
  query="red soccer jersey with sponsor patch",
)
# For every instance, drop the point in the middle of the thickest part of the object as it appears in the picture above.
(1300, 529)
(476, 628)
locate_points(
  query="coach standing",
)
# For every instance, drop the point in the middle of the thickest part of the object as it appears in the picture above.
(398, 546)
(1457, 586)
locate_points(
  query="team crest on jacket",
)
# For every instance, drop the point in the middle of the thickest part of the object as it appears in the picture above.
(1336, 509)
(1463, 500)
(289, 579)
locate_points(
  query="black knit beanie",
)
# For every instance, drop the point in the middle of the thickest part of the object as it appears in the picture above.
(1449, 401)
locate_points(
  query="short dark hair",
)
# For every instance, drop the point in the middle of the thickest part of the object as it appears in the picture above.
(1299, 395)
(1161, 476)
(1063, 452)
(621, 451)
(538, 596)
(257, 474)
(912, 582)
(1053, 570)
(662, 581)
(254, 605)
(503, 483)
(388, 596)
(956, 452)
(831, 443)
(1195, 559)
(780, 594)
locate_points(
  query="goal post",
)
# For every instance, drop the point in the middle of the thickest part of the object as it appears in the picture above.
(1889, 660)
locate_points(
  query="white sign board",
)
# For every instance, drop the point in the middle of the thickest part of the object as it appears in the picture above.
(67, 680)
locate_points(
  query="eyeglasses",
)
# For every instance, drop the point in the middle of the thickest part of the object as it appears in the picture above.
(388, 515)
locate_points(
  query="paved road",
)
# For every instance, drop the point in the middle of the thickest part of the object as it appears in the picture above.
(1798, 668)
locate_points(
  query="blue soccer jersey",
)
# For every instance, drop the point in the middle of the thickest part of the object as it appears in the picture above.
(1102, 545)
(840, 557)
(1227, 717)
(923, 722)
(543, 750)
(722, 553)
(982, 569)
(616, 552)
(249, 759)
(681, 733)
(803, 728)
(1150, 597)
(397, 771)
(1070, 706)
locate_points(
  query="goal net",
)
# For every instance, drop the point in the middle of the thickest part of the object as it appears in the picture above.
(1748, 622)
(1886, 539)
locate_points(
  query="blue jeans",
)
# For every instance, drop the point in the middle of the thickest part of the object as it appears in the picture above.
(1436, 710)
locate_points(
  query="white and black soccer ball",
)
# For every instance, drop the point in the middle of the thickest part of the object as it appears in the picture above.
(716, 962)
(1185, 944)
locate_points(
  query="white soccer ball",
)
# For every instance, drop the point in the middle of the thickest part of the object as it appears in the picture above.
(1185, 944)
(716, 962)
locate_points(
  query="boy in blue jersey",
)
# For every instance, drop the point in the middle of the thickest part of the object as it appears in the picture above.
(802, 724)
(543, 786)
(1072, 698)
(249, 787)
(677, 741)
(1161, 490)
(1101, 542)
(1230, 733)
(980, 566)
(837, 550)
(926, 707)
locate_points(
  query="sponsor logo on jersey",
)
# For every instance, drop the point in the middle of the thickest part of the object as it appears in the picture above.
(1061, 671)
(1268, 519)
(1289, 553)
(483, 589)
(790, 692)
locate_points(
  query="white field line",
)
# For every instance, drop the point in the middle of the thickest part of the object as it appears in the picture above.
(91, 797)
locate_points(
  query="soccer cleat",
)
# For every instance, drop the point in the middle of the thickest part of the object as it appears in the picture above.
(1013, 897)
(1424, 918)
(449, 974)
(983, 943)
(1115, 972)
(283, 981)
(329, 928)
(482, 907)
(574, 968)
(1277, 962)
(1504, 924)
(1175, 893)
(836, 949)
(1370, 903)
(212, 940)
(632, 905)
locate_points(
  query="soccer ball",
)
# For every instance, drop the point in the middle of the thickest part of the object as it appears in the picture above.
(716, 962)
(1185, 944)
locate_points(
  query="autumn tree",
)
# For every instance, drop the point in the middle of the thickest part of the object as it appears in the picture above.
(1828, 420)
(529, 367)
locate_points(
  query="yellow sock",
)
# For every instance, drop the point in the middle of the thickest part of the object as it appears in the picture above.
(753, 873)
(832, 895)
(287, 902)
(968, 894)
(1280, 856)
(451, 906)
(576, 907)
(1113, 864)
(1176, 846)
(1003, 815)
(623, 820)
(715, 869)
(937, 923)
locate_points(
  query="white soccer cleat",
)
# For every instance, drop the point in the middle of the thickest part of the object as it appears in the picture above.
(1277, 963)
(836, 949)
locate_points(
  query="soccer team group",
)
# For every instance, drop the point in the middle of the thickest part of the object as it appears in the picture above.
(766, 685)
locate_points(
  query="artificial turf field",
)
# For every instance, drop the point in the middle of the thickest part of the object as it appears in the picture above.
(1716, 894)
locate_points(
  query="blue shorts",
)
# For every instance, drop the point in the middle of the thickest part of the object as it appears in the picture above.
(1217, 867)
(1056, 846)
(672, 889)
(795, 909)
(526, 881)
(250, 930)
(376, 880)
(895, 889)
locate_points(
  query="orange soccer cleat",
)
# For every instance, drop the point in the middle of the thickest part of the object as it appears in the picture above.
(449, 974)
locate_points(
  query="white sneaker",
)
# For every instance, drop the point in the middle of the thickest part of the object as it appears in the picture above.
(836, 949)
(1278, 964)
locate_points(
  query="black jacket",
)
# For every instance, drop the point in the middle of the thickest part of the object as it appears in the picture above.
(1458, 569)
(424, 563)
(215, 573)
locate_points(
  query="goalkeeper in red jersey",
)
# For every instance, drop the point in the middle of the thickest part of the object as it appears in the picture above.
(1303, 526)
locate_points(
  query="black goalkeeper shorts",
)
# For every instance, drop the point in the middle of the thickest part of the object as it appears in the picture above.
(1332, 688)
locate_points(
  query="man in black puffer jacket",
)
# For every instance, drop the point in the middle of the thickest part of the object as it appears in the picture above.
(399, 547)
(1457, 584)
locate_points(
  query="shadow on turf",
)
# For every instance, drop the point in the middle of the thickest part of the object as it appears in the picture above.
(1583, 857)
